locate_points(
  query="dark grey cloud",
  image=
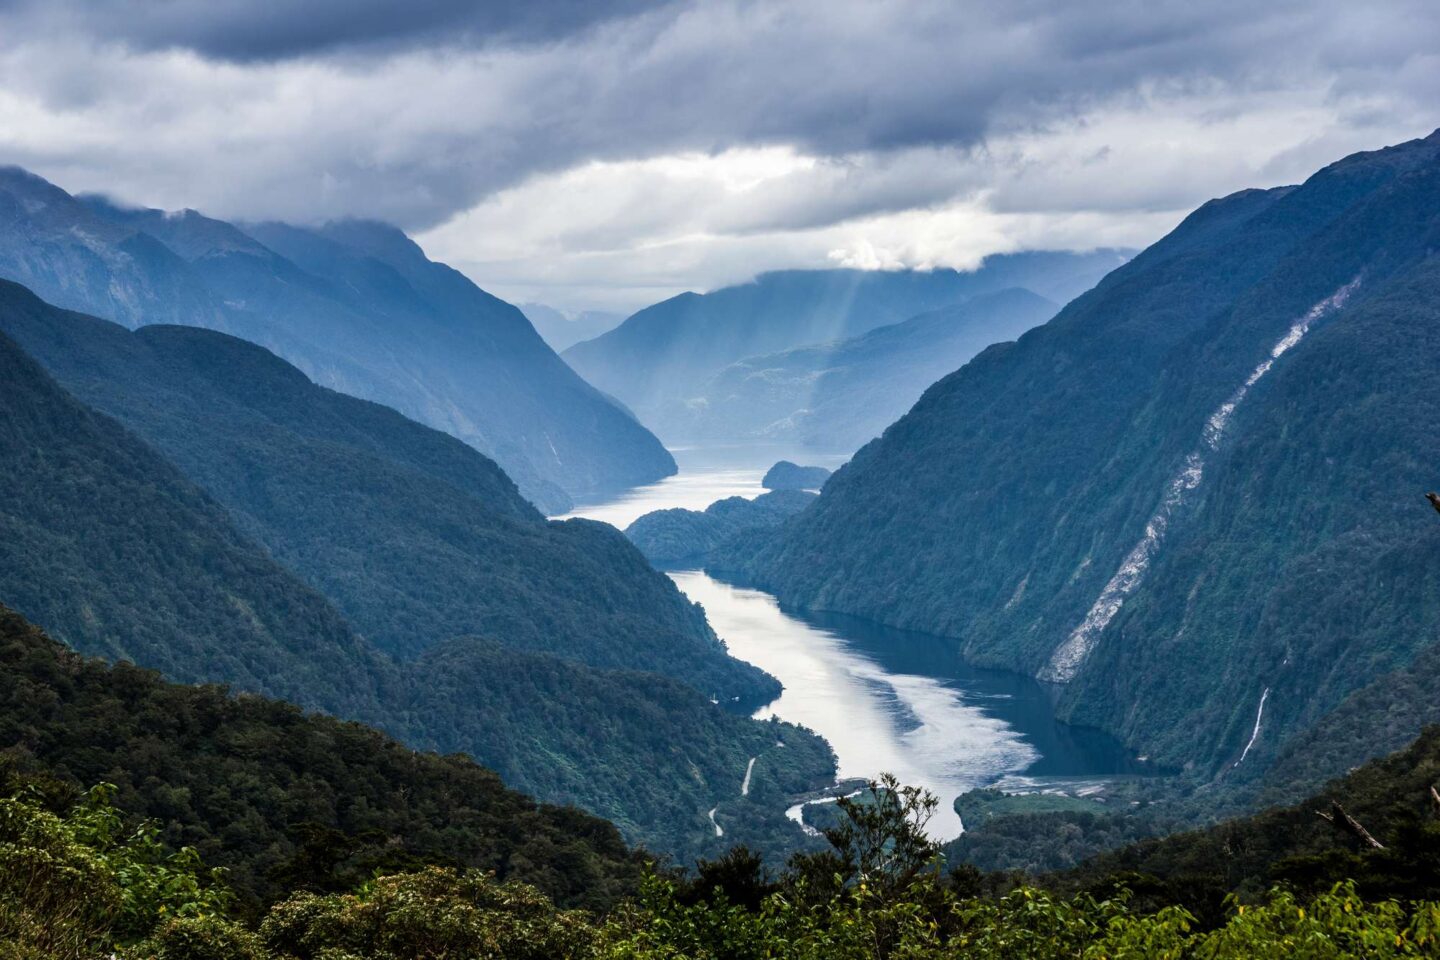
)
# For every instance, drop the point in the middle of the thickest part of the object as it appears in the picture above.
(248, 30)
(1063, 109)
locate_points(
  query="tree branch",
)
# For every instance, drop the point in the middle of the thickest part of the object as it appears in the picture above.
(1338, 818)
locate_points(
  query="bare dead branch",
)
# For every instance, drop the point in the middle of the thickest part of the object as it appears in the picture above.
(1342, 821)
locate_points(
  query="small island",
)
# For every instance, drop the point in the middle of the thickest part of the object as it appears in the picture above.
(681, 538)
(791, 476)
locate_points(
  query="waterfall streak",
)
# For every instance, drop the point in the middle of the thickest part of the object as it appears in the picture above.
(1255, 734)
(1067, 659)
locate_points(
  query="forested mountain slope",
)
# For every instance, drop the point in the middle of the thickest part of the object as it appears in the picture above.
(675, 537)
(277, 797)
(837, 396)
(655, 360)
(357, 306)
(119, 554)
(415, 536)
(1194, 497)
(1389, 797)
(116, 552)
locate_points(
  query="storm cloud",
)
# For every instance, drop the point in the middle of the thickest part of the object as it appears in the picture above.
(246, 30)
(675, 144)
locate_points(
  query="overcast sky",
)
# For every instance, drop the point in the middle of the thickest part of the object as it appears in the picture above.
(607, 155)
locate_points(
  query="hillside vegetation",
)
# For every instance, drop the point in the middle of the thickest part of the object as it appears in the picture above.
(116, 552)
(676, 537)
(357, 306)
(278, 798)
(95, 881)
(1193, 499)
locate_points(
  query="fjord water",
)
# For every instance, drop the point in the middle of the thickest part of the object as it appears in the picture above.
(706, 474)
(904, 703)
(887, 700)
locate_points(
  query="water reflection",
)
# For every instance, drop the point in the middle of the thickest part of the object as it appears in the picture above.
(706, 474)
(896, 701)
(886, 699)
(1020, 701)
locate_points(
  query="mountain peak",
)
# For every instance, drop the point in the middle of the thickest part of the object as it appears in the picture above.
(378, 239)
(357, 306)
(1182, 496)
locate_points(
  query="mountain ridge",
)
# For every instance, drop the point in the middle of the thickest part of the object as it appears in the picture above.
(357, 306)
(406, 529)
(117, 552)
(836, 396)
(1050, 458)
(653, 360)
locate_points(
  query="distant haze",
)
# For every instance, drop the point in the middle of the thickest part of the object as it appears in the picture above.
(766, 359)
(562, 330)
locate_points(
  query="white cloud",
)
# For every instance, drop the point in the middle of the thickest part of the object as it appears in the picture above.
(622, 234)
(694, 144)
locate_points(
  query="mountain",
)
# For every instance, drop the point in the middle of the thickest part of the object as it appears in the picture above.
(1390, 797)
(654, 360)
(1193, 500)
(413, 535)
(837, 396)
(116, 552)
(1243, 856)
(357, 306)
(676, 537)
(785, 475)
(278, 797)
(563, 330)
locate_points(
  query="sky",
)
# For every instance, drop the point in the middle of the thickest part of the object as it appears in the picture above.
(598, 155)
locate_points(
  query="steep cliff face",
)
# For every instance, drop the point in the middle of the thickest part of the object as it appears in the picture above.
(357, 306)
(1189, 497)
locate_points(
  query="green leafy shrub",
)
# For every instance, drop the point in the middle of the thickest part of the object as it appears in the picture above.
(74, 882)
(435, 913)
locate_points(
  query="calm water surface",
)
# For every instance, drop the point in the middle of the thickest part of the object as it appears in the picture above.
(887, 700)
(706, 474)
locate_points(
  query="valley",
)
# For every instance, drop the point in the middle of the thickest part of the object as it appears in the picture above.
(886, 700)
(673, 480)
(706, 474)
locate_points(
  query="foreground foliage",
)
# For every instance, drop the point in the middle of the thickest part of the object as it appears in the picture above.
(70, 884)
(77, 885)
(1083, 845)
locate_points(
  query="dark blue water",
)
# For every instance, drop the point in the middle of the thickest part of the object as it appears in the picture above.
(905, 703)
(1021, 701)
(887, 700)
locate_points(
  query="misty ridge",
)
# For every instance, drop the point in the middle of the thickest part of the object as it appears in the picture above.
(659, 479)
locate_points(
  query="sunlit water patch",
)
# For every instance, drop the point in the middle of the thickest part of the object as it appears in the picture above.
(887, 700)
(902, 703)
(707, 474)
